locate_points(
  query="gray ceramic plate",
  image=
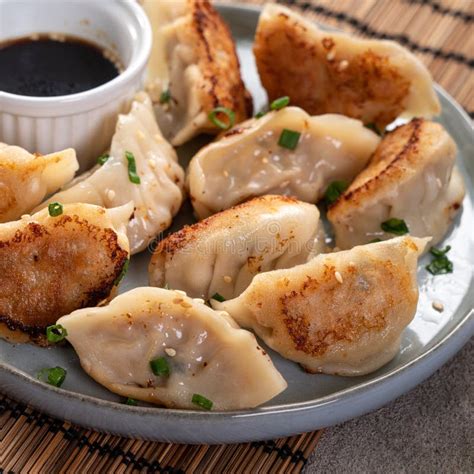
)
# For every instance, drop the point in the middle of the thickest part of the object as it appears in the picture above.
(311, 401)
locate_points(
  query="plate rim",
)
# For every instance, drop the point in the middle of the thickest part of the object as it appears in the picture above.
(444, 348)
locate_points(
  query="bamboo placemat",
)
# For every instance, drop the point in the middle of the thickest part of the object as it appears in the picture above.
(441, 34)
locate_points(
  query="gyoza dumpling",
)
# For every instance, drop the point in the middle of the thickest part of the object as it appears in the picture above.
(54, 262)
(411, 177)
(197, 352)
(222, 253)
(341, 313)
(193, 68)
(254, 159)
(26, 179)
(326, 72)
(143, 168)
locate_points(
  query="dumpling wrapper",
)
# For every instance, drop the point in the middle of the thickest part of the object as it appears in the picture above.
(222, 253)
(26, 179)
(213, 357)
(247, 161)
(412, 176)
(326, 72)
(50, 266)
(193, 58)
(159, 195)
(341, 313)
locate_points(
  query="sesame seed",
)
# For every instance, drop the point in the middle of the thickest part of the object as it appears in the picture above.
(343, 65)
(180, 292)
(338, 277)
(25, 216)
(199, 300)
(170, 351)
(264, 159)
(225, 173)
(438, 306)
(111, 194)
(152, 164)
(228, 279)
(331, 55)
(185, 304)
(140, 135)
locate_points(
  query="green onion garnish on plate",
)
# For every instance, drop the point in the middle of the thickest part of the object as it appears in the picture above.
(395, 226)
(279, 103)
(218, 297)
(132, 168)
(56, 333)
(219, 123)
(441, 264)
(55, 209)
(165, 96)
(103, 158)
(202, 401)
(53, 375)
(289, 139)
(334, 190)
(160, 366)
(123, 272)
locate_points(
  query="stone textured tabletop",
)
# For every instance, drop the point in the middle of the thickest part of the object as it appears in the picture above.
(430, 429)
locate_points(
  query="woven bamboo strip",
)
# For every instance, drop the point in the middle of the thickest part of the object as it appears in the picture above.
(30, 442)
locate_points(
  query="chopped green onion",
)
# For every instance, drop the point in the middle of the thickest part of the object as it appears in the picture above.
(279, 103)
(374, 128)
(289, 139)
(440, 252)
(122, 272)
(165, 96)
(56, 333)
(103, 158)
(260, 114)
(201, 401)
(440, 264)
(219, 123)
(167, 286)
(395, 226)
(334, 190)
(55, 209)
(131, 401)
(374, 241)
(160, 366)
(132, 168)
(218, 297)
(54, 375)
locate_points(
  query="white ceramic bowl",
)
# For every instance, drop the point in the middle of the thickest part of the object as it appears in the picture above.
(86, 120)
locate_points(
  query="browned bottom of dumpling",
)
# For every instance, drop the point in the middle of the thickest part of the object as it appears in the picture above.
(48, 270)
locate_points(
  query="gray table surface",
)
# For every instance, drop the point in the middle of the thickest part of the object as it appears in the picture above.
(428, 430)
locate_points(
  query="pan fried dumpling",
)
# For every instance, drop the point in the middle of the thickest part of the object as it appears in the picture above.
(341, 313)
(26, 179)
(157, 187)
(222, 253)
(412, 176)
(248, 160)
(326, 72)
(193, 68)
(52, 265)
(201, 352)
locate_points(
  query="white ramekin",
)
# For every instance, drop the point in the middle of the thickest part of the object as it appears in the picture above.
(84, 121)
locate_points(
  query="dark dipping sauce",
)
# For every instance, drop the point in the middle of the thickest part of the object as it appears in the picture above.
(47, 67)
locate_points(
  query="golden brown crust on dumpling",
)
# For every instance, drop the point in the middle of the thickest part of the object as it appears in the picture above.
(326, 72)
(50, 269)
(218, 62)
(398, 156)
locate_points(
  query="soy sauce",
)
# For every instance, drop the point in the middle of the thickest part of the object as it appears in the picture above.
(45, 66)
